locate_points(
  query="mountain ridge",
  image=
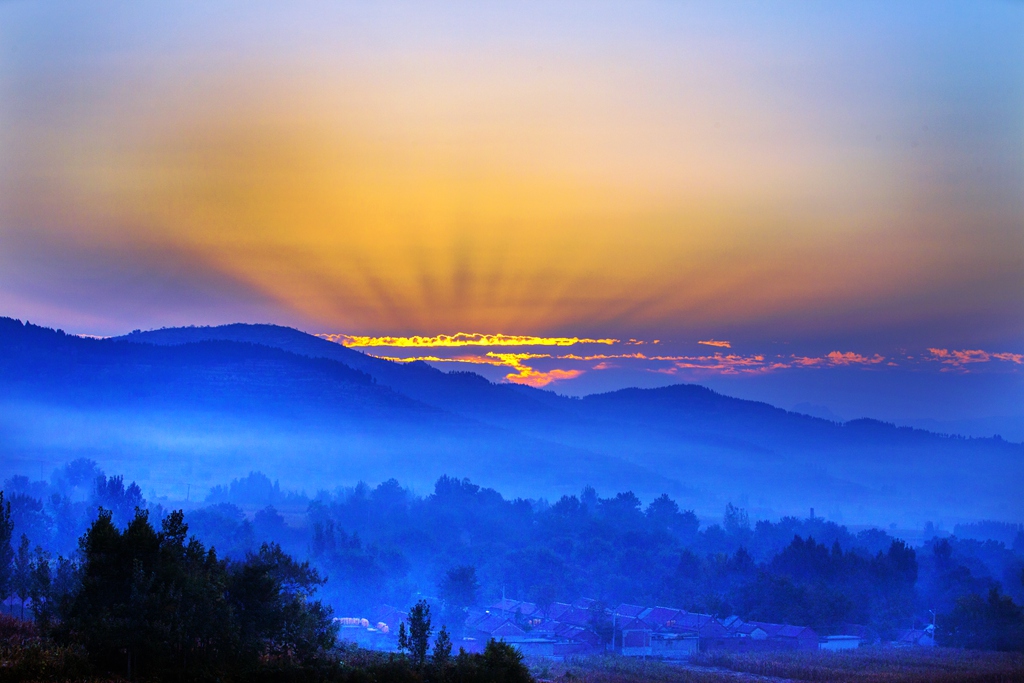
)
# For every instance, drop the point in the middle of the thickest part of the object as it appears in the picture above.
(361, 415)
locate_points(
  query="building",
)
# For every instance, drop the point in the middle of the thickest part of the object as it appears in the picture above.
(798, 637)
(761, 635)
(749, 630)
(674, 645)
(633, 637)
(839, 643)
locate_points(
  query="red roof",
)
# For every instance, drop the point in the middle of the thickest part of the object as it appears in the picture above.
(771, 629)
(632, 625)
(563, 630)
(546, 627)
(788, 631)
(576, 616)
(661, 617)
(629, 610)
(575, 633)
(505, 605)
(706, 624)
(586, 636)
(746, 628)
(476, 617)
(557, 609)
(525, 608)
(490, 623)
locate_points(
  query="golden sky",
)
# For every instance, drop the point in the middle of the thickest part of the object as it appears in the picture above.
(842, 175)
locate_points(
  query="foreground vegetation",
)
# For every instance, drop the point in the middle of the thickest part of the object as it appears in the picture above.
(388, 545)
(28, 657)
(157, 605)
(865, 665)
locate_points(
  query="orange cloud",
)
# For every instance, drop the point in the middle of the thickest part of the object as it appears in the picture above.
(851, 358)
(730, 364)
(603, 356)
(964, 357)
(808, 361)
(460, 339)
(714, 342)
(536, 378)
(524, 374)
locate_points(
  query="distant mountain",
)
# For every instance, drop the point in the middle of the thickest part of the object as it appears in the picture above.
(462, 392)
(216, 404)
(191, 404)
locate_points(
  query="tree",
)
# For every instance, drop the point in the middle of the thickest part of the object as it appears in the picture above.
(504, 664)
(41, 588)
(976, 623)
(419, 632)
(458, 591)
(271, 595)
(6, 552)
(160, 605)
(403, 638)
(442, 649)
(736, 520)
(23, 572)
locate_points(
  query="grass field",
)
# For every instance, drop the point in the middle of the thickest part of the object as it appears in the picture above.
(866, 665)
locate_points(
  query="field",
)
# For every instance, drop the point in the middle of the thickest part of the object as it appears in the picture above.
(866, 665)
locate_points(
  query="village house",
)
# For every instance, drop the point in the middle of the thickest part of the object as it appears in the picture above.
(839, 643)
(561, 629)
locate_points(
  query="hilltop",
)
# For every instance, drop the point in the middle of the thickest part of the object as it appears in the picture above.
(178, 405)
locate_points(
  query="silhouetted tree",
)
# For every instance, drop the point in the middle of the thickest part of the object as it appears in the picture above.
(977, 623)
(442, 649)
(41, 589)
(157, 604)
(6, 551)
(504, 664)
(403, 638)
(458, 590)
(419, 632)
(23, 572)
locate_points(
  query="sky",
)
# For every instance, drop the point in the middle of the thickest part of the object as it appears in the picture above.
(817, 205)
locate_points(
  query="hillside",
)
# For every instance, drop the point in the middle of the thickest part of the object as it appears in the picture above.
(212, 399)
(181, 414)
